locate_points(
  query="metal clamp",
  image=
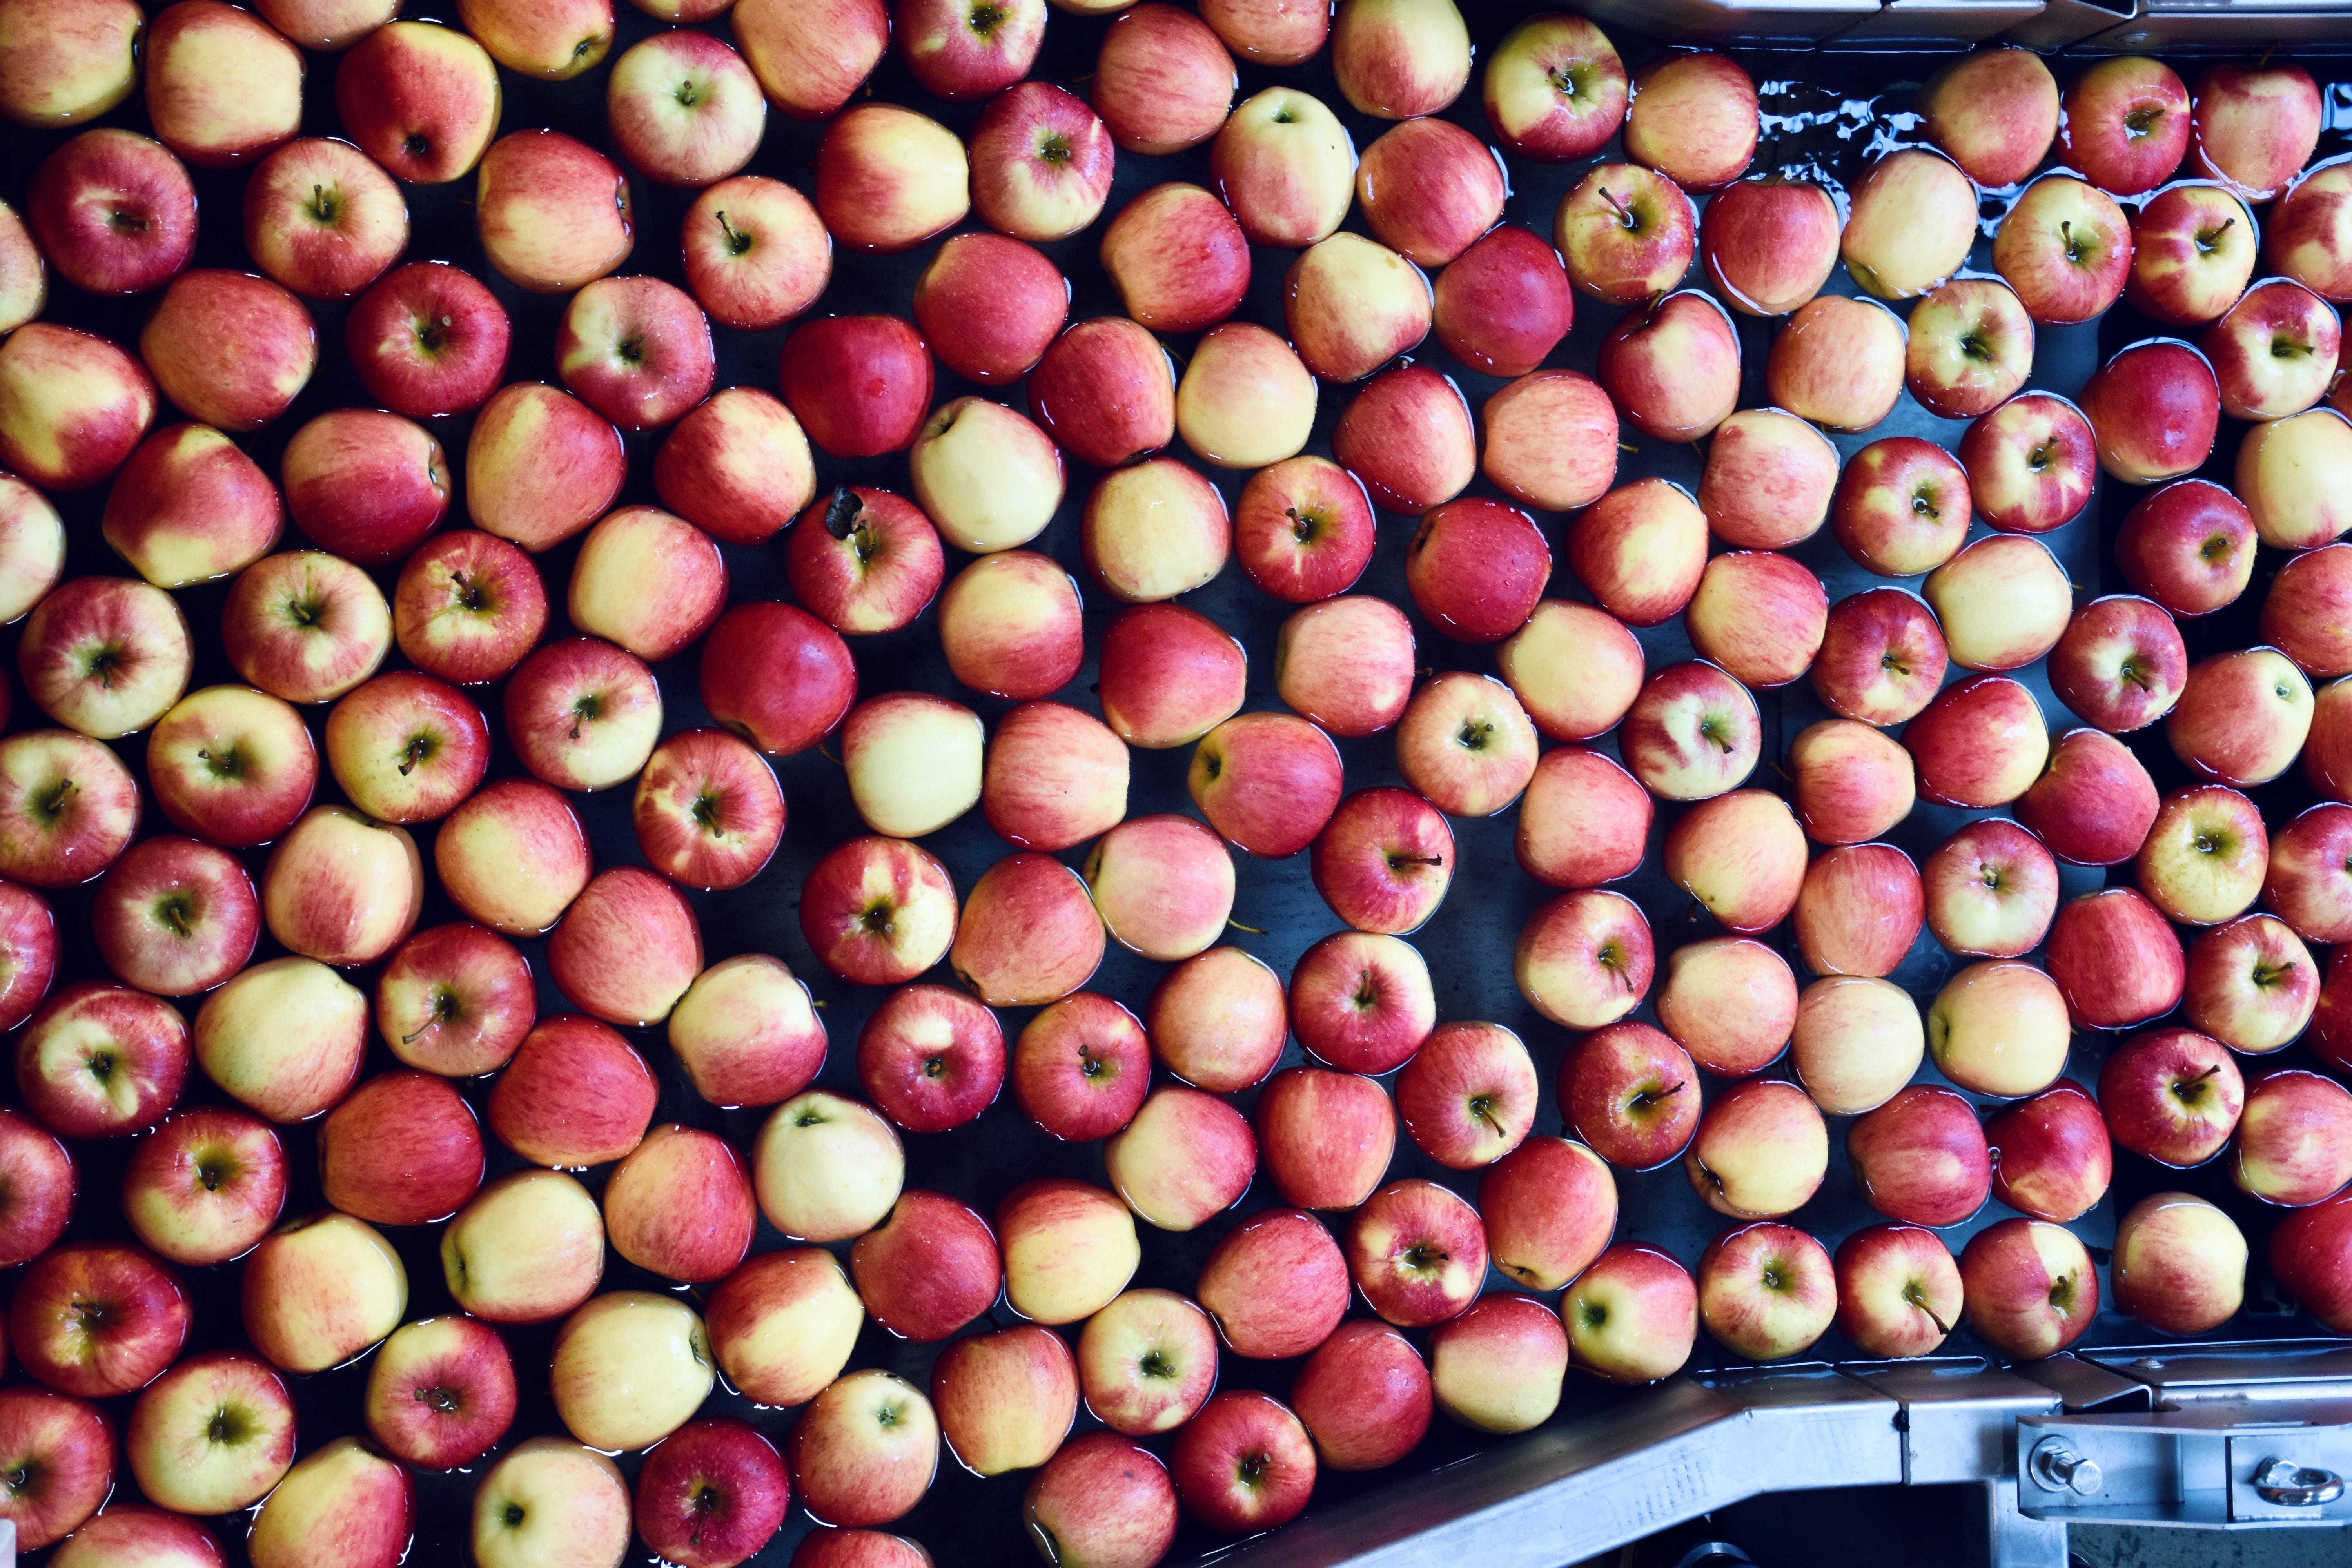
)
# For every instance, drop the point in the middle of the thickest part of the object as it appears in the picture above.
(2058, 1468)
(2289, 1485)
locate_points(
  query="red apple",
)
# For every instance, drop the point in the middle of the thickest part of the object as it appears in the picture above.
(2030, 1287)
(2050, 1155)
(2124, 122)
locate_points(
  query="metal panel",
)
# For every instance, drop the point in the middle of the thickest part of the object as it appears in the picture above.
(1926, 24)
(1689, 1447)
(2185, 1467)
(2223, 25)
(2065, 22)
(2081, 1385)
(1956, 1414)
(1792, 22)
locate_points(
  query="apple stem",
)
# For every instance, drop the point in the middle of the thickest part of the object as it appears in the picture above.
(1627, 447)
(2131, 671)
(1624, 213)
(1238, 926)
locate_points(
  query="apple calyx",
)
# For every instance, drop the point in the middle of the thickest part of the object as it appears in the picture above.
(48, 805)
(985, 19)
(1424, 1258)
(174, 911)
(325, 209)
(586, 708)
(1571, 79)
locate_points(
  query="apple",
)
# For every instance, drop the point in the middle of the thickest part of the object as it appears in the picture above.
(2120, 663)
(1555, 89)
(1285, 167)
(1627, 233)
(1270, 32)
(1327, 1136)
(1921, 1157)
(406, 747)
(1849, 782)
(402, 1149)
(2193, 249)
(113, 212)
(1244, 1464)
(102, 1061)
(40, 1195)
(2302, 242)
(128, 1533)
(2067, 249)
(2171, 1095)
(1700, 125)
(2242, 717)
(469, 606)
(1498, 1366)
(1692, 734)
(2180, 1264)
(812, 59)
(1766, 1291)
(584, 714)
(420, 99)
(1467, 1097)
(1673, 369)
(711, 1494)
(1912, 221)
(1146, 1362)
(1069, 1250)
(347, 1496)
(1898, 1290)
(540, 466)
(1081, 1067)
(774, 674)
(1999, 1027)
(2051, 1154)
(175, 917)
(1245, 400)
(1364, 1396)
(576, 1094)
(1838, 361)
(1041, 162)
(65, 1450)
(68, 808)
(1551, 440)
(782, 1324)
(1106, 392)
(1855, 1043)
(2252, 984)
(185, 344)
(929, 1269)
(2094, 803)
(1164, 886)
(1730, 1002)
(2275, 352)
(2302, 884)
(1994, 111)
(365, 485)
(1100, 1498)
(2124, 122)
(887, 179)
(636, 349)
(1769, 244)
(189, 507)
(2153, 408)
(1882, 657)
(736, 466)
(1584, 821)
(105, 655)
(1564, 636)
(513, 857)
(62, 75)
(1217, 1020)
(552, 213)
(683, 108)
(2299, 616)
(1184, 1159)
(94, 1320)
(1741, 856)
(2323, 763)
(628, 1368)
(991, 307)
(1303, 528)
(1363, 1003)
(32, 544)
(1408, 436)
(1970, 348)
(2029, 1287)
(756, 253)
(212, 1435)
(987, 478)
(204, 1187)
(2189, 545)
(221, 85)
(1585, 959)
(1633, 1316)
(1054, 777)
(2205, 857)
(1400, 59)
(341, 887)
(1768, 479)
(2252, 128)
(1760, 1151)
(527, 1249)
(427, 339)
(555, 42)
(1351, 305)
(546, 1499)
(72, 407)
(1417, 1252)
(441, 1393)
(1632, 1094)
(1980, 743)
(1639, 551)
(1005, 1400)
(1174, 254)
(1430, 189)
(319, 1289)
(1859, 910)
(1162, 81)
(244, 1039)
(2272, 459)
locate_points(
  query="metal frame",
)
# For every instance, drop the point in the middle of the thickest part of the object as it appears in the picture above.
(2174, 1436)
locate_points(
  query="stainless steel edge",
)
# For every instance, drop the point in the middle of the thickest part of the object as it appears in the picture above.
(1562, 1495)
(1929, 24)
(1790, 23)
(2065, 21)
(2311, 26)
